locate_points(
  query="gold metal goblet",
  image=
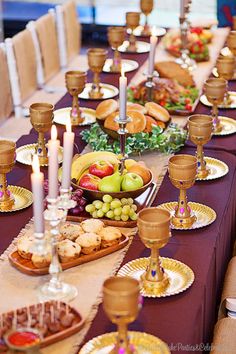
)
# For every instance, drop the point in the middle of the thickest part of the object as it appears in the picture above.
(231, 42)
(121, 303)
(154, 231)
(75, 84)
(234, 23)
(132, 21)
(116, 36)
(96, 61)
(215, 90)
(225, 68)
(41, 117)
(146, 7)
(200, 128)
(7, 161)
(182, 173)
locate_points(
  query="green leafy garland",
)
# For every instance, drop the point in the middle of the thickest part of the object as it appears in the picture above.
(169, 141)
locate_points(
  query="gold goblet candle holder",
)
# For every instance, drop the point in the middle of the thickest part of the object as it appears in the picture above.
(7, 161)
(146, 7)
(41, 117)
(75, 84)
(121, 303)
(225, 68)
(132, 21)
(96, 61)
(215, 90)
(116, 36)
(154, 231)
(200, 128)
(182, 173)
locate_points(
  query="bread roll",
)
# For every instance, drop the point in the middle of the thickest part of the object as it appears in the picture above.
(110, 123)
(137, 123)
(136, 107)
(156, 111)
(105, 108)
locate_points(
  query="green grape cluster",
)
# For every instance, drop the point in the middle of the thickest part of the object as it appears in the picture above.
(113, 208)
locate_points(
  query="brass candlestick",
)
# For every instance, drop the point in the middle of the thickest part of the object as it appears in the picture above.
(154, 231)
(96, 61)
(132, 21)
(75, 84)
(116, 36)
(215, 89)
(122, 131)
(182, 173)
(146, 7)
(200, 129)
(225, 68)
(41, 117)
(121, 303)
(7, 161)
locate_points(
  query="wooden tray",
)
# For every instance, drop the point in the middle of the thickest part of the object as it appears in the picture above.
(143, 201)
(52, 338)
(27, 267)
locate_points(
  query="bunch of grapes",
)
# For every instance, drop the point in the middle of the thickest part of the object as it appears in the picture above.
(77, 196)
(115, 209)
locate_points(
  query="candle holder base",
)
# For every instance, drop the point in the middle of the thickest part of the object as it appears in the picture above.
(155, 287)
(7, 203)
(203, 173)
(65, 202)
(183, 222)
(218, 127)
(95, 92)
(64, 292)
(40, 245)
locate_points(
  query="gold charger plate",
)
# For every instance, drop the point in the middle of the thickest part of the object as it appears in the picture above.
(229, 126)
(217, 168)
(144, 344)
(142, 47)
(157, 31)
(180, 275)
(215, 73)
(205, 215)
(24, 154)
(127, 65)
(62, 115)
(109, 91)
(23, 198)
(232, 105)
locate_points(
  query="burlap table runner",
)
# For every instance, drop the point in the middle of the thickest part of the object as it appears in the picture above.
(229, 289)
(224, 341)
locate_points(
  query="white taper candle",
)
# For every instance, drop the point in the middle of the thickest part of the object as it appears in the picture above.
(123, 95)
(53, 147)
(37, 179)
(68, 146)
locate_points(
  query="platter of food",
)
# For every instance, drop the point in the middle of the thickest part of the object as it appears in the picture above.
(174, 89)
(78, 243)
(198, 39)
(54, 320)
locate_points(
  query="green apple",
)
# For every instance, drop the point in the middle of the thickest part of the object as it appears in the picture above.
(110, 184)
(131, 182)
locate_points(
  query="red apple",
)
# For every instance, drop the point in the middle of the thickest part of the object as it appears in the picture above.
(89, 181)
(101, 169)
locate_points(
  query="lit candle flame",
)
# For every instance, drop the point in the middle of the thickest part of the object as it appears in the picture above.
(35, 164)
(54, 132)
(68, 126)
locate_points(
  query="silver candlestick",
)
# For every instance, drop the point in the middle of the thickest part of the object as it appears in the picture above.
(122, 131)
(184, 60)
(55, 289)
(65, 201)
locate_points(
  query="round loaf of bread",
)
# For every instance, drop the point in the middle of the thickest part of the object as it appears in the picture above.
(110, 122)
(136, 107)
(105, 108)
(156, 111)
(137, 122)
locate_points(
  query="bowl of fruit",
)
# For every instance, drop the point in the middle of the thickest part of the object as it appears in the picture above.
(97, 174)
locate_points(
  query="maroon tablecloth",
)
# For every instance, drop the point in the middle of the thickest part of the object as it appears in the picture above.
(187, 318)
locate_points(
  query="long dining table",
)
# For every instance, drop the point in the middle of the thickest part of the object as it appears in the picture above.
(184, 321)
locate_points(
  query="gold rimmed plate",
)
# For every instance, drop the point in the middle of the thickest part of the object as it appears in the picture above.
(62, 115)
(109, 91)
(217, 169)
(204, 214)
(127, 65)
(228, 126)
(143, 343)
(23, 198)
(157, 31)
(215, 73)
(231, 105)
(141, 47)
(180, 275)
(24, 154)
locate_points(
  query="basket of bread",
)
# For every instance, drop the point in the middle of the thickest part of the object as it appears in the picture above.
(142, 117)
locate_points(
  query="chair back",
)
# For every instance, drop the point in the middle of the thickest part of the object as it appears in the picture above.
(6, 104)
(72, 29)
